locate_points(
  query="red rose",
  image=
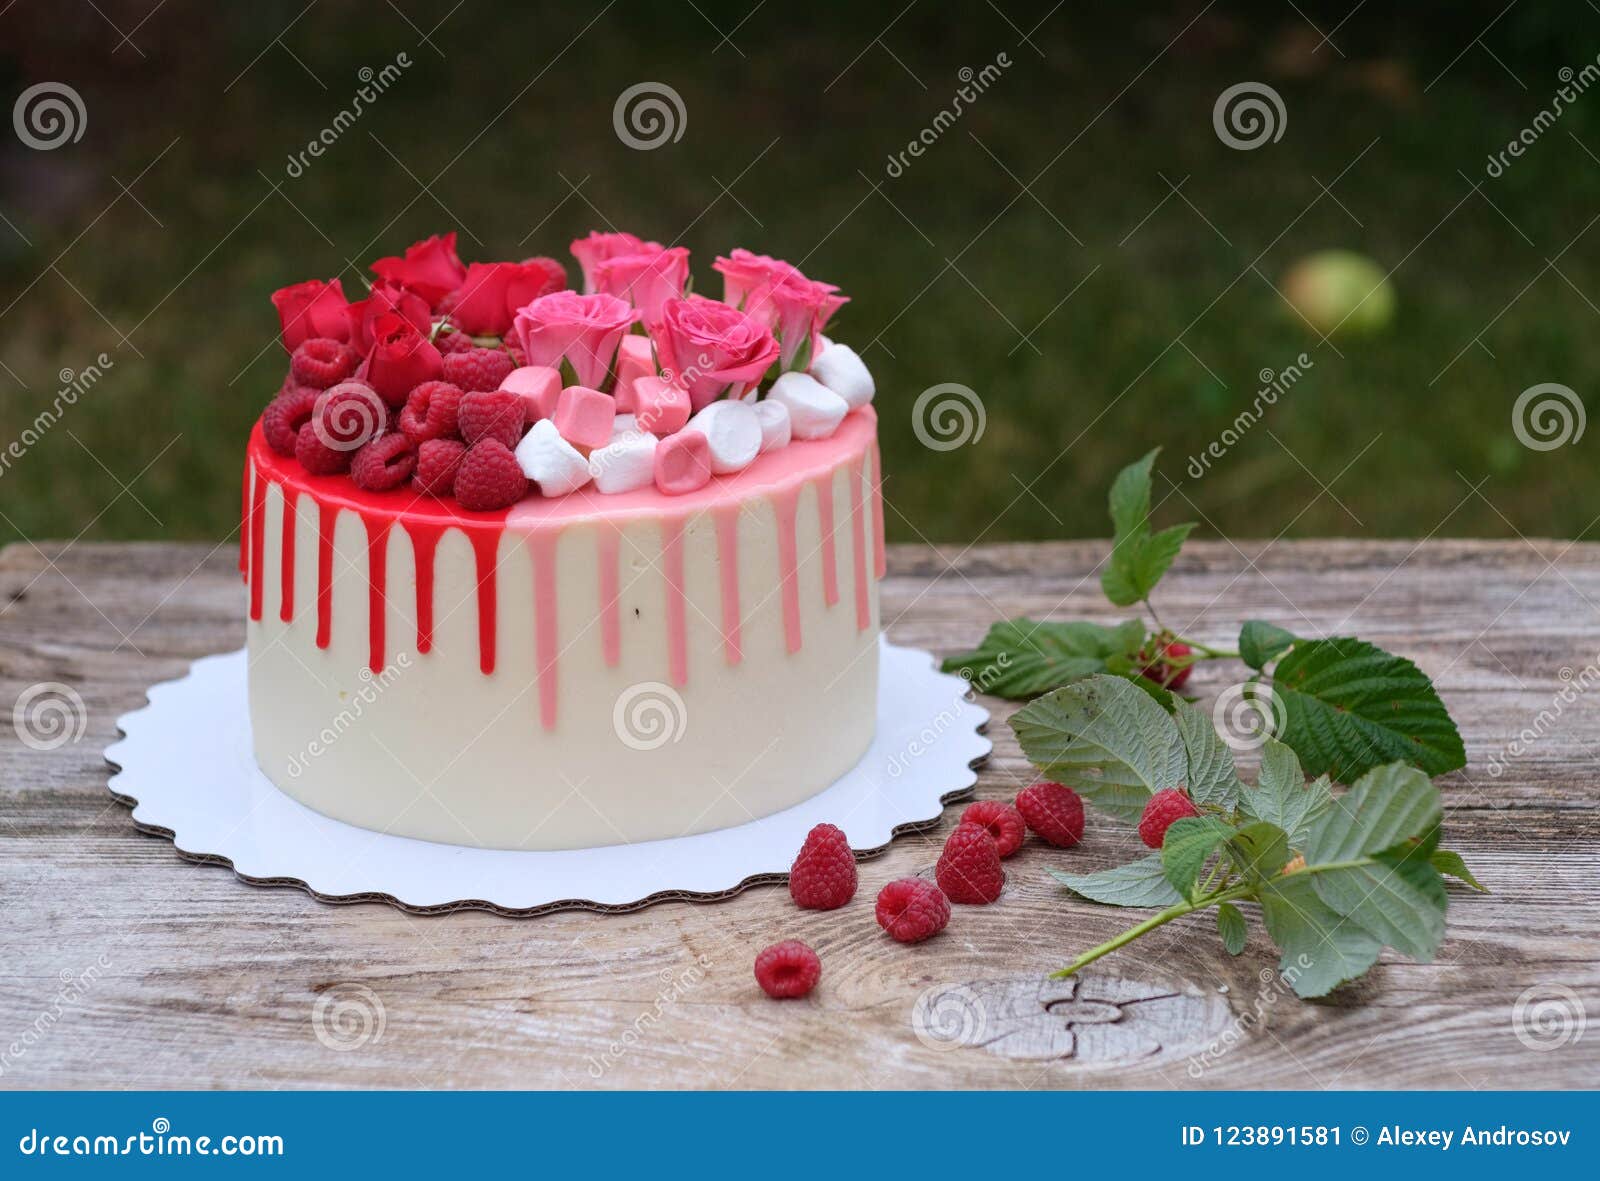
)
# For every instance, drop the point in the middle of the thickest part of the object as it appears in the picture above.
(401, 359)
(431, 268)
(492, 292)
(711, 349)
(385, 297)
(646, 279)
(311, 309)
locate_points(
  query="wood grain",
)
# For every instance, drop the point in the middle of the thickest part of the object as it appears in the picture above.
(128, 966)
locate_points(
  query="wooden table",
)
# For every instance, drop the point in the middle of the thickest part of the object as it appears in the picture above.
(127, 966)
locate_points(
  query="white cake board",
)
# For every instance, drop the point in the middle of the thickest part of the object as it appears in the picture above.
(186, 766)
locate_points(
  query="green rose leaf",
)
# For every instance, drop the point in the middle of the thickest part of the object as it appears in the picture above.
(1021, 658)
(1139, 883)
(1259, 642)
(1231, 926)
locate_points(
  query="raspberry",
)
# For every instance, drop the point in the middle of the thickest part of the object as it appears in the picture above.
(788, 969)
(316, 456)
(823, 876)
(437, 461)
(491, 414)
(321, 362)
(477, 369)
(349, 415)
(969, 868)
(430, 411)
(384, 463)
(1054, 812)
(1160, 666)
(285, 415)
(1164, 807)
(912, 909)
(489, 477)
(453, 341)
(1003, 822)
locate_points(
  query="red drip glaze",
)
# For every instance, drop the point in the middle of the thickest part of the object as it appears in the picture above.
(327, 516)
(830, 559)
(727, 520)
(286, 558)
(783, 503)
(608, 543)
(546, 636)
(424, 541)
(486, 550)
(880, 564)
(377, 581)
(244, 523)
(258, 544)
(672, 571)
(858, 539)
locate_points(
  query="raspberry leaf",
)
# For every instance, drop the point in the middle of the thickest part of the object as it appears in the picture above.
(1348, 707)
(1451, 864)
(1187, 847)
(1021, 658)
(1139, 883)
(1231, 926)
(1259, 850)
(1320, 950)
(1211, 777)
(1260, 641)
(1105, 738)
(1138, 557)
(1283, 797)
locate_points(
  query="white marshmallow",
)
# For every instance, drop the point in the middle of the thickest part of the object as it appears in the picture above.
(841, 369)
(733, 431)
(625, 463)
(823, 344)
(815, 411)
(551, 462)
(774, 418)
(624, 424)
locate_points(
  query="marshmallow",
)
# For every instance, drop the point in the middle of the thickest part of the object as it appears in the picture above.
(624, 424)
(635, 358)
(550, 461)
(815, 411)
(539, 387)
(584, 416)
(841, 369)
(659, 406)
(774, 419)
(733, 432)
(625, 463)
(683, 463)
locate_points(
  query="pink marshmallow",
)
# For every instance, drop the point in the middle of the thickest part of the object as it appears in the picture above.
(683, 463)
(635, 359)
(583, 416)
(539, 387)
(659, 406)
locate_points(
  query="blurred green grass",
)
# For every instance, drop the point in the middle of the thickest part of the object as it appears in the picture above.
(957, 273)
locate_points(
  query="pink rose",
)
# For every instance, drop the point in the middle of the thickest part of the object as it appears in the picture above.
(711, 349)
(492, 292)
(431, 268)
(743, 271)
(796, 308)
(401, 359)
(646, 279)
(598, 247)
(583, 330)
(311, 309)
(385, 297)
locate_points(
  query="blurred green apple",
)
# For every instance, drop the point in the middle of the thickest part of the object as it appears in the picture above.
(1340, 290)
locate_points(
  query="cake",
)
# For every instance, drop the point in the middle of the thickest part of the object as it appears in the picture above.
(536, 568)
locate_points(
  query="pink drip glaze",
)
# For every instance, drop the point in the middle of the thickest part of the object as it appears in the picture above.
(258, 544)
(677, 625)
(286, 558)
(546, 636)
(727, 521)
(880, 564)
(783, 503)
(377, 525)
(327, 516)
(424, 542)
(830, 559)
(608, 543)
(858, 540)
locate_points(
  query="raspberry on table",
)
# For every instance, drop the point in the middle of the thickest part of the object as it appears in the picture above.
(1164, 807)
(316, 456)
(321, 362)
(349, 415)
(384, 463)
(431, 411)
(1053, 812)
(437, 461)
(969, 868)
(477, 369)
(912, 909)
(788, 969)
(1160, 666)
(489, 477)
(1004, 823)
(490, 414)
(285, 415)
(823, 876)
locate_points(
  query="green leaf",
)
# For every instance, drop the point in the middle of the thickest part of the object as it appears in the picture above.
(1450, 863)
(1282, 795)
(1259, 850)
(1260, 641)
(1211, 777)
(1320, 948)
(1139, 883)
(1187, 847)
(1022, 658)
(1105, 738)
(1231, 926)
(1130, 496)
(1347, 707)
(1138, 561)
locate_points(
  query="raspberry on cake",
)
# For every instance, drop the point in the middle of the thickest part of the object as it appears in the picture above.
(480, 468)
